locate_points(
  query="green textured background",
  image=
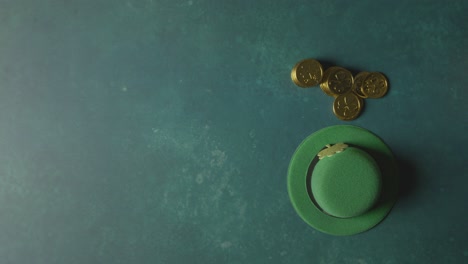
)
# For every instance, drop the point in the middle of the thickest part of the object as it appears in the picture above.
(160, 131)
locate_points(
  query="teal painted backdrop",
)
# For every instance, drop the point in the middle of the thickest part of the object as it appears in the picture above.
(160, 131)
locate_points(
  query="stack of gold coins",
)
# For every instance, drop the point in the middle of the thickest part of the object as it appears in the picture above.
(349, 92)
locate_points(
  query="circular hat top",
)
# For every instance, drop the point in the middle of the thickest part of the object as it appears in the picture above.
(346, 184)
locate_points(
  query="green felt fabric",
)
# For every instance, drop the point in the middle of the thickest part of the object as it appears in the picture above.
(298, 174)
(346, 184)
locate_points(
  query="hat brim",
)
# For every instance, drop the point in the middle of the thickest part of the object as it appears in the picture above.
(297, 179)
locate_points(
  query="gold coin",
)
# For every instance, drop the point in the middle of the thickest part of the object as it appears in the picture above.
(375, 85)
(339, 81)
(358, 81)
(307, 73)
(324, 83)
(347, 106)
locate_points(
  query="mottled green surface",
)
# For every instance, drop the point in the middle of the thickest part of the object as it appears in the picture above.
(353, 187)
(158, 131)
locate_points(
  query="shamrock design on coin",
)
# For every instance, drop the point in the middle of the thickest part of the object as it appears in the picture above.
(307, 73)
(347, 106)
(340, 81)
(358, 83)
(375, 85)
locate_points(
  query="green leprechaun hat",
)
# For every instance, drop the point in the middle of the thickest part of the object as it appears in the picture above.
(342, 180)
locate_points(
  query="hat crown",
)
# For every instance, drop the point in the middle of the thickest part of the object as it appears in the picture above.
(347, 183)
